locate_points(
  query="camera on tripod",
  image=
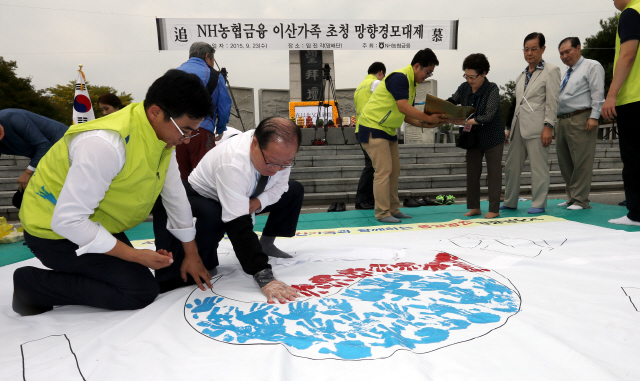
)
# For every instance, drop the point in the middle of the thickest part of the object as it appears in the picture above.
(324, 105)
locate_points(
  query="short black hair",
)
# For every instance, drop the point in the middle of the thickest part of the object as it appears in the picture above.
(376, 67)
(178, 93)
(425, 57)
(575, 42)
(533, 35)
(277, 128)
(477, 62)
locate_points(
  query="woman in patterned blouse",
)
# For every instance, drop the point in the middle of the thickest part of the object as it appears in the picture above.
(478, 92)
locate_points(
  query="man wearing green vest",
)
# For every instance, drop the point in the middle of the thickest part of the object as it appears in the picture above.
(391, 104)
(364, 194)
(623, 102)
(101, 179)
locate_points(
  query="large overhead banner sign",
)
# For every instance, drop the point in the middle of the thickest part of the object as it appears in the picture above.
(258, 34)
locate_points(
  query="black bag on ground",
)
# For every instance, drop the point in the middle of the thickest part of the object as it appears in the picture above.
(468, 139)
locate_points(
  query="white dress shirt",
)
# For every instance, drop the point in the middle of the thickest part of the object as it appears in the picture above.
(374, 84)
(585, 88)
(96, 157)
(226, 174)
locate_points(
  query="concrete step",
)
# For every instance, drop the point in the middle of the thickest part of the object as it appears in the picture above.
(11, 171)
(311, 173)
(408, 148)
(9, 212)
(9, 184)
(349, 196)
(442, 181)
(418, 158)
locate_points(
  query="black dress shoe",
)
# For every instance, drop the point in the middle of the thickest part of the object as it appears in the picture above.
(332, 208)
(24, 308)
(426, 201)
(411, 203)
(341, 207)
(365, 205)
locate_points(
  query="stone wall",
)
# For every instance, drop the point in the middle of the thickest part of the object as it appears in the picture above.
(346, 106)
(245, 100)
(273, 102)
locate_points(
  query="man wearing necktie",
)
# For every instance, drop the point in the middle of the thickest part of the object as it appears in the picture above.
(581, 99)
(246, 174)
(531, 131)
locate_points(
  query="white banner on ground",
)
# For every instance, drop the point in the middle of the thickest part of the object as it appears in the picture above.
(283, 34)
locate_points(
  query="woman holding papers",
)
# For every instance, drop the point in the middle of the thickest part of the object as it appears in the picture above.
(478, 92)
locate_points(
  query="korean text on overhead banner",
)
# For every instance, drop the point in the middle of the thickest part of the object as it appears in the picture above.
(250, 34)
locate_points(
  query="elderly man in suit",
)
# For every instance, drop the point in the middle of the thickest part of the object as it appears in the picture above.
(531, 133)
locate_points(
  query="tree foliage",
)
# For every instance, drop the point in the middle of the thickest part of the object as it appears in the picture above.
(601, 47)
(62, 97)
(55, 102)
(16, 92)
(507, 97)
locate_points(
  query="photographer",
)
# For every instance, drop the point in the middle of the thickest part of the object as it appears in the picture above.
(200, 63)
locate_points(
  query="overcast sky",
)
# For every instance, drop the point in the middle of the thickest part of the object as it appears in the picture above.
(116, 40)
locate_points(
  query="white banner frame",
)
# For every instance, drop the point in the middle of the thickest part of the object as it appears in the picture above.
(284, 34)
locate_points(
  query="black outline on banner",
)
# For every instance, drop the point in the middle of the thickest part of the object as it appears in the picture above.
(497, 240)
(629, 296)
(70, 349)
(512, 288)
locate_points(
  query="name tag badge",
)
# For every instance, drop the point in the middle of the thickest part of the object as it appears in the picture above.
(467, 128)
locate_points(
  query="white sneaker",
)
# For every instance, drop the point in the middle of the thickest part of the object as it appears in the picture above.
(624, 221)
(574, 207)
(563, 204)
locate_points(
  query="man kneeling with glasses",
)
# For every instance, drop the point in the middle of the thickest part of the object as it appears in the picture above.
(246, 174)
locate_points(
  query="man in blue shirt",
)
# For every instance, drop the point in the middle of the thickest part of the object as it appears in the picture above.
(200, 63)
(24, 133)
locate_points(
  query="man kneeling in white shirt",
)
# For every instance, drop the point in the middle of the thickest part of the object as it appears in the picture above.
(244, 175)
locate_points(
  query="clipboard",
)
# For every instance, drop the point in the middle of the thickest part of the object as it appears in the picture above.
(435, 105)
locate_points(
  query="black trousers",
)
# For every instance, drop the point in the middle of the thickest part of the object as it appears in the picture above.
(282, 222)
(97, 280)
(364, 193)
(494, 176)
(629, 140)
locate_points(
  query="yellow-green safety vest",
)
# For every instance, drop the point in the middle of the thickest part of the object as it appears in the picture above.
(630, 90)
(362, 95)
(381, 111)
(132, 193)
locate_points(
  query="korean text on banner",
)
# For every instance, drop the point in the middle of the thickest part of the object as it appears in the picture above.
(276, 34)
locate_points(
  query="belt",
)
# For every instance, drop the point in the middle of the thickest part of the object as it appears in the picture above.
(569, 115)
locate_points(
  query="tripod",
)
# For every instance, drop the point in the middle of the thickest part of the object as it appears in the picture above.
(323, 105)
(224, 73)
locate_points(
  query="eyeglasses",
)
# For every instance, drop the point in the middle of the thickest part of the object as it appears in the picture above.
(425, 70)
(275, 166)
(470, 76)
(532, 50)
(193, 133)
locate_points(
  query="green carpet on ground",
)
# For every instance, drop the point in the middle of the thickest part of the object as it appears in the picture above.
(598, 215)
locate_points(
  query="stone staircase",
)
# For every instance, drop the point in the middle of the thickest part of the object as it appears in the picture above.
(11, 167)
(331, 173)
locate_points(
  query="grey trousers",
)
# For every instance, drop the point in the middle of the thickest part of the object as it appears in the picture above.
(519, 150)
(576, 149)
